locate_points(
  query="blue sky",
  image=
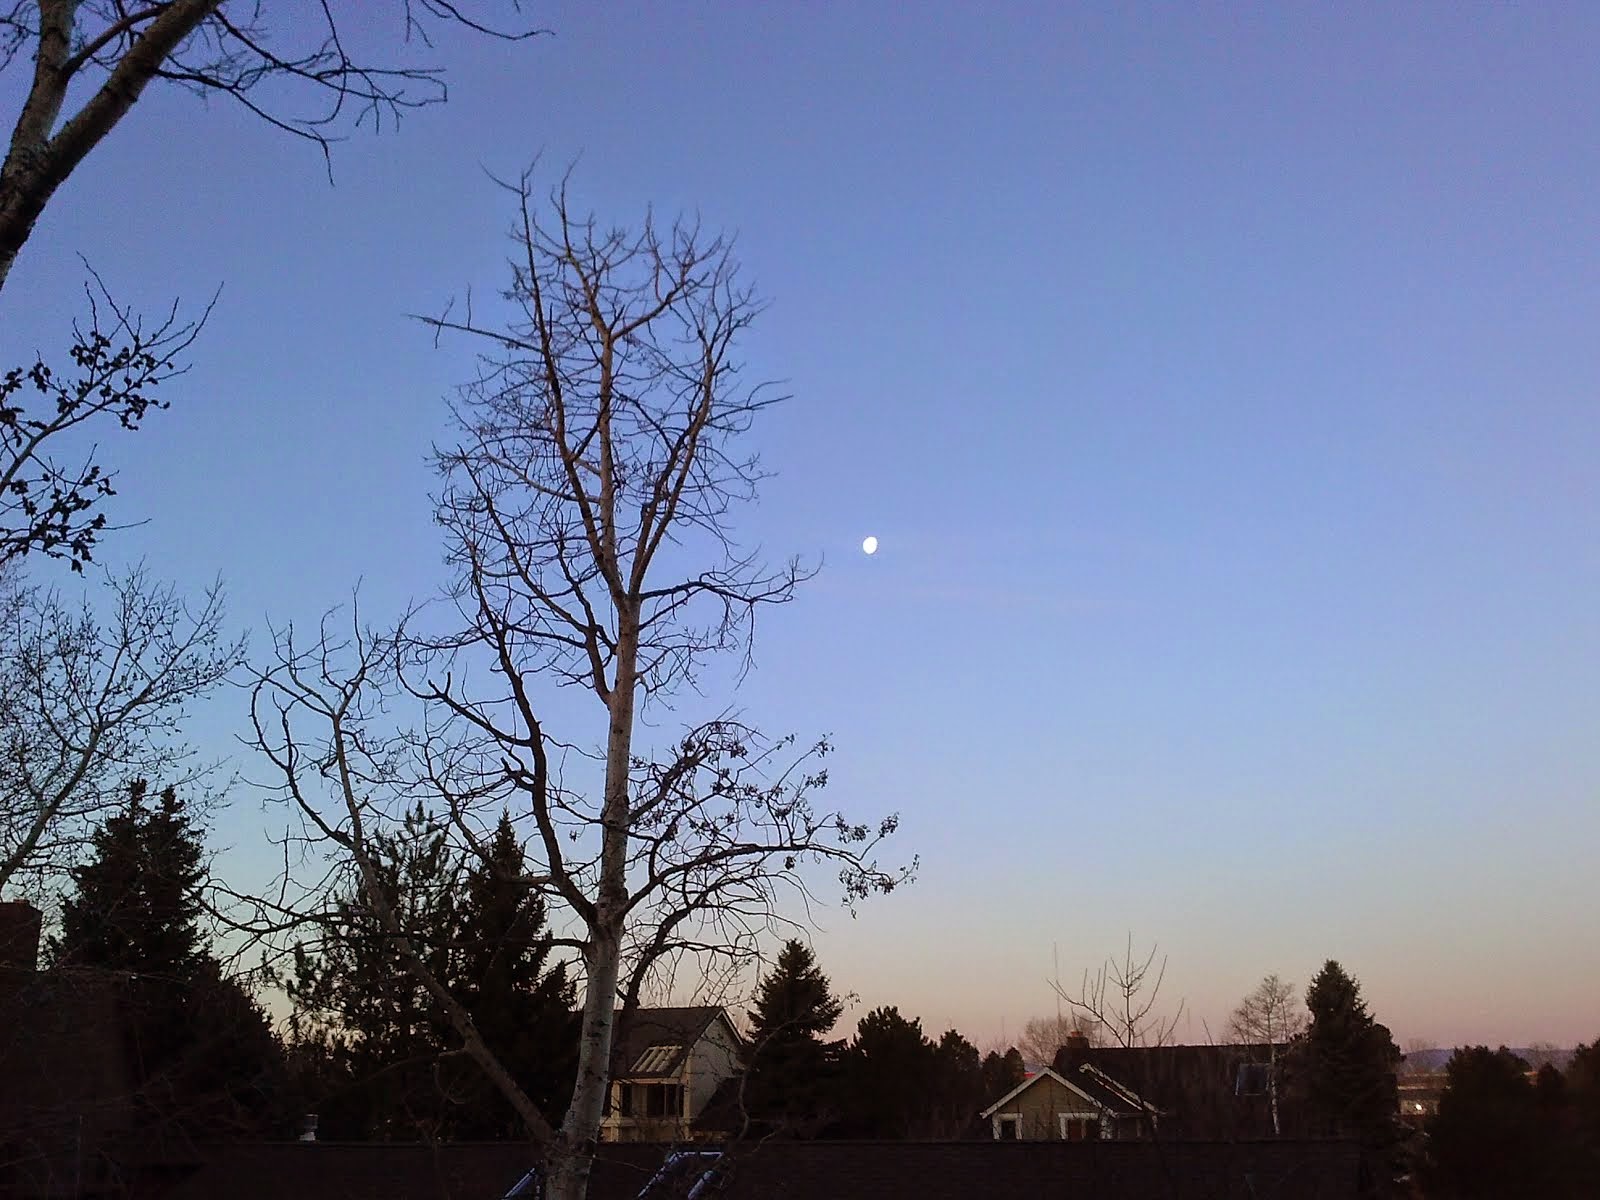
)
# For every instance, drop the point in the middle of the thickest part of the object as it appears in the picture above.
(1221, 381)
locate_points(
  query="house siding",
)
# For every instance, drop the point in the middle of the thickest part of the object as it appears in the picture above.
(1041, 1107)
(715, 1057)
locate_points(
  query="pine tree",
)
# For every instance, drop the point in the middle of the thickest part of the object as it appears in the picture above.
(792, 1082)
(1489, 1138)
(363, 1033)
(523, 1006)
(889, 1073)
(374, 1055)
(137, 900)
(205, 1058)
(1001, 1073)
(1343, 1069)
(958, 1086)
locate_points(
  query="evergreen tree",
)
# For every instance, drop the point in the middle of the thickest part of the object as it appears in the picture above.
(889, 1072)
(1583, 1093)
(363, 1033)
(1489, 1138)
(958, 1086)
(372, 1053)
(1001, 1073)
(205, 1058)
(792, 1082)
(523, 1006)
(1343, 1070)
(136, 906)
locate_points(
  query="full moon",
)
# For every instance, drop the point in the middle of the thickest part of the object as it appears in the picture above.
(869, 546)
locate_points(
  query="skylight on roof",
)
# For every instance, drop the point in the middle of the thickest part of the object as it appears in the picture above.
(657, 1059)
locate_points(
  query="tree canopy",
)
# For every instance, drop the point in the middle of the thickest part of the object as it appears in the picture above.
(373, 1052)
(1343, 1069)
(204, 1057)
(792, 1081)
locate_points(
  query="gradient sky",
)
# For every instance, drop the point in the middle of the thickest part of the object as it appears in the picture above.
(1221, 381)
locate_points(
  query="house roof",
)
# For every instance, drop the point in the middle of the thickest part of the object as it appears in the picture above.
(395, 1171)
(773, 1170)
(1201, 1087)
(653, 1042)
(1094, 1086)
(66, 1078)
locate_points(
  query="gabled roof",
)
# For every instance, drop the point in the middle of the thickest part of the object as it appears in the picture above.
(654, 1041)
(1099, 1090)
(1200, 1091)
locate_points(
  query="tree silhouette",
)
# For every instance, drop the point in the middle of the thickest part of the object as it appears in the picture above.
(1344, 1070)
(1489, 1137)
(371, 1048)
(205, 1058)
(792, 1082)
(957, 1089)
(137, 901)
(888, 1072)
(1001, 1073)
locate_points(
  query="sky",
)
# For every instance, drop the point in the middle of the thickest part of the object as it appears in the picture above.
(1220, 380)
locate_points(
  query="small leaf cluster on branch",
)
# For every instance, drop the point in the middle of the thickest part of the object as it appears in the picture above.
(52, 507)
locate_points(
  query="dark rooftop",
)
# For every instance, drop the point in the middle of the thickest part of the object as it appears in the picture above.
(801, 1171)
(654, 1041)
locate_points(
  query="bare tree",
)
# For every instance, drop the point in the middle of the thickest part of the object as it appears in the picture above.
(587, 505)
(1043, 1036)
(1416, 1060)
(1269, 1016)
(88, 702)
(293, 68)
(51, 492)
(1123, 996)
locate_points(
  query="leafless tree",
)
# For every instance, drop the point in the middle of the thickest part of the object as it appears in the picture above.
(51, 487)
(1415, 1059)
(1043, 1036)
(293, 67)
(1269, 1016)
(587, 504)
(1123, 998)
(87, 702)
(1540, 1054)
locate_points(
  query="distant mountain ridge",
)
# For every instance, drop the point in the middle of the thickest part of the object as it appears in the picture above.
(1424, 1062)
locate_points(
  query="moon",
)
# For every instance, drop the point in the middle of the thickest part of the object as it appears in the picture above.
(869, 546)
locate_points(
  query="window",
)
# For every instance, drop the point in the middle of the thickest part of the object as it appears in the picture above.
(1254, 1079)
(1010, 1128)
(663, 1100)
(1078, 1129)
(650, 1099)
(657, 1059)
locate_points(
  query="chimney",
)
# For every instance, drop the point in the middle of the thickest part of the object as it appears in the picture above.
(1076, 1051)
(20, 923)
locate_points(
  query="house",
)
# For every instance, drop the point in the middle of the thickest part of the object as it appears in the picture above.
(1119, 1093)
(1081, 1105)
(665, 1067)
(70, 1119)
(1222, 1092)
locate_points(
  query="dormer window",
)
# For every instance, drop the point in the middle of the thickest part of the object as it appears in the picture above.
(656, 1059)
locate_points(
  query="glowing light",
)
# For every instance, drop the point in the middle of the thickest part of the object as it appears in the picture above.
(869, 546)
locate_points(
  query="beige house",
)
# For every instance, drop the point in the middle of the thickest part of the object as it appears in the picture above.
(667, 1065)
(1047, 1107)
